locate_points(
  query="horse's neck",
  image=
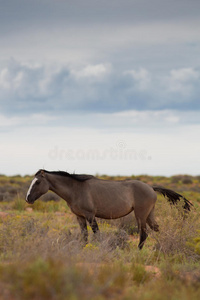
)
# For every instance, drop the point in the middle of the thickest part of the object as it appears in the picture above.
(62, 186)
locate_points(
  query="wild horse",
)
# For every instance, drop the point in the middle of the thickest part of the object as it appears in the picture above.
(89, 197)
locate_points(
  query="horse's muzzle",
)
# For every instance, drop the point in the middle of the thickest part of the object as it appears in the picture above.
(29, 201)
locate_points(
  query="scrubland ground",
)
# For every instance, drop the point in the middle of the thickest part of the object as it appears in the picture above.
(42, 256)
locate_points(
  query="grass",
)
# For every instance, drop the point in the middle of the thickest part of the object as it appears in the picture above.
(42, 256)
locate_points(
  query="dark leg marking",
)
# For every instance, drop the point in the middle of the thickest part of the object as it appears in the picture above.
(143, 237)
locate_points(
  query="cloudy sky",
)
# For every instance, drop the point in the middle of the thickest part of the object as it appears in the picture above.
(107, 87)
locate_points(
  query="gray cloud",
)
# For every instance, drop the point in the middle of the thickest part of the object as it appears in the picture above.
(159, 121)
(99, 56)
(153, 33)
(95, 88)
(42, 12)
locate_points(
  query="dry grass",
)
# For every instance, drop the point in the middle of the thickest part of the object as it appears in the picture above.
(177, 230)
(42, 256)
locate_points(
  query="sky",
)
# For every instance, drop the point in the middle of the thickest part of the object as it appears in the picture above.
(100, 87)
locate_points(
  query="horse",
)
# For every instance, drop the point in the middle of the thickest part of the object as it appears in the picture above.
(89, 197)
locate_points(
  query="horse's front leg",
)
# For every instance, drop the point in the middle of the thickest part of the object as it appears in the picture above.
(93, 223)
(83, 226)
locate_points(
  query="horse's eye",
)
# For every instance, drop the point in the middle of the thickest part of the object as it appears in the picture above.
(37, 182)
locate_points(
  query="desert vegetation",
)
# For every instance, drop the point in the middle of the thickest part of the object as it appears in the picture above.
(42, 255)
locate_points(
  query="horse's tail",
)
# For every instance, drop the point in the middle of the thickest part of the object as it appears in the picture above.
(173, 197)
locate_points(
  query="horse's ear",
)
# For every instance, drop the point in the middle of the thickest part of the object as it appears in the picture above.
(42, 173)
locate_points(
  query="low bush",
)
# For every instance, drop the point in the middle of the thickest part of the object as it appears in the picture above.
(50, 206)
(19, 203)
(177, 230)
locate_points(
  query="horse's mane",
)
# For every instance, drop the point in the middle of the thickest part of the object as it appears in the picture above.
(78, 177)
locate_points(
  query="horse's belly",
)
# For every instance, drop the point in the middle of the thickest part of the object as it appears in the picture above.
(111, 200)
(111, 211)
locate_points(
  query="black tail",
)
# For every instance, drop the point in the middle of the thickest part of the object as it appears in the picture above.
(173, 197)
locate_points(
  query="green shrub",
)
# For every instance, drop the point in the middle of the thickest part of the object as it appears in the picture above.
(19, 203)
(50, 206)
(139, 274)
(196, 243)
(176, 230)
(43, 279)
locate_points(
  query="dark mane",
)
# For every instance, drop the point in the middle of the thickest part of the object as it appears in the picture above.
(78, 177)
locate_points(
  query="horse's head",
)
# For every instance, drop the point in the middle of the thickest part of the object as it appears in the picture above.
(39, 186)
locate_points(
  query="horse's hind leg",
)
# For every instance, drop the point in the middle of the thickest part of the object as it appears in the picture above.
(141, 217)
(143, 235)
(142, 231)
(152, 222)
(83, 226)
